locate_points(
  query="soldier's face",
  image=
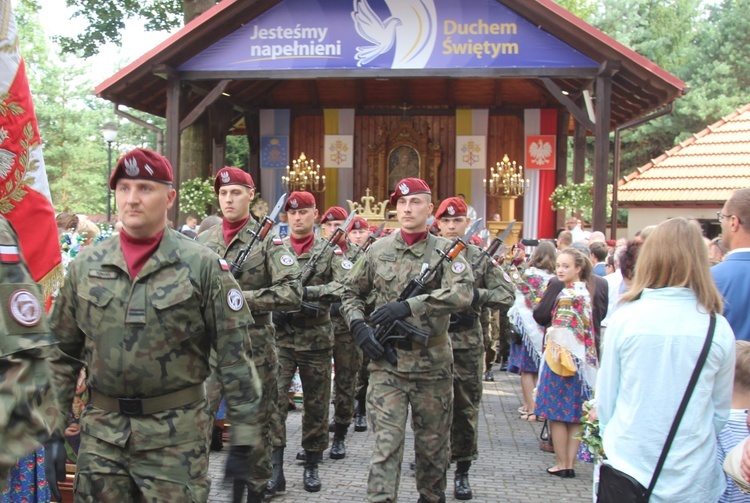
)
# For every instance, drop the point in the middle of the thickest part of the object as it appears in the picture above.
(413, 212)
(358, 236)
(234, 201)
(330, 226)
(453, 227)
(142, 206)
(301, 221)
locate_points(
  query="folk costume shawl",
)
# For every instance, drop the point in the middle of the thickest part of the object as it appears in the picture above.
(530, 287)
(570, 338)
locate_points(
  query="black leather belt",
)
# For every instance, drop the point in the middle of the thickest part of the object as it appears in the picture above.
(412, 346)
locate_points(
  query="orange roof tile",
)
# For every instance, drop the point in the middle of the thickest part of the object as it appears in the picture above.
(705, 168)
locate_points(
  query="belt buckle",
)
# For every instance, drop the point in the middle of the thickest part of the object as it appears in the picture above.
(130, 406)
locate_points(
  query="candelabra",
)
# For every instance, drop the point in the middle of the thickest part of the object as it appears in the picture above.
(506, 179)
(304, 175)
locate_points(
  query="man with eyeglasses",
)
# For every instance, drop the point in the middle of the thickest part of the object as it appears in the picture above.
(731, 275)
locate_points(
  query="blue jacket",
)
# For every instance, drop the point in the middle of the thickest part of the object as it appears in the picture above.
(732, 278)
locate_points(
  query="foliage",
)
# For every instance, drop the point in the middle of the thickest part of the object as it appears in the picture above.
(196, 195)
(578, 197)
(585, 9)
(590, 436)
(238, 151)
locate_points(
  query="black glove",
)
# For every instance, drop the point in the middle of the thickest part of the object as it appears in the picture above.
(336, 309)
(364, 336)
(390, 312)
(278, 318)
(304, 293)
(475, 298)
(54, 463)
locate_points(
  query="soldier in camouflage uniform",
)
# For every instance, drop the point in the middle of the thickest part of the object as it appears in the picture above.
(422, 377)
(27, 402)
(492, 289)
(305, 338)
(142, 311)
(269, 279)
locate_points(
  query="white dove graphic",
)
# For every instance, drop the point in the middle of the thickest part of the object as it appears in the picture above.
(370, 27)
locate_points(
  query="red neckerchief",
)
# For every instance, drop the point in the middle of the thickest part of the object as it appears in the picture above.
(230, 229)
(410, 238)
(137, 251)
(302, 245)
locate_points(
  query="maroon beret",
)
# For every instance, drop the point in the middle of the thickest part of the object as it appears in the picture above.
(409, 186)
(299, 200)
(451, 207)
(334, 213)
(142, 164)
(232, 176)
(359, 223)
(476, 240)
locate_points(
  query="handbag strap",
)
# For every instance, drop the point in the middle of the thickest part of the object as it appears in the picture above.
(685, 399)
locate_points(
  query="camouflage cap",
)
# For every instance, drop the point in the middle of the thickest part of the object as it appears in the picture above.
(299, 200)
(142, 164)
(409, 186)
(451, 207)
(232, 176)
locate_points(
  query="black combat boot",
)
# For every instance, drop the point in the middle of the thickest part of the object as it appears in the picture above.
(277, 484)
(338, 448)
(332, 426)
(300, 455)
(360, 417)
(310, 479)
(462, 490)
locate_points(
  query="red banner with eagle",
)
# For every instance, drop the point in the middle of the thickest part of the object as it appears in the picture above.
(24, 190)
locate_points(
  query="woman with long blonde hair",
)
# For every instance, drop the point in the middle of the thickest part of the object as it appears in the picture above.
(650, 351)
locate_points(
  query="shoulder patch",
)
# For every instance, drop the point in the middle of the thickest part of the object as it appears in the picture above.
(458, 267)
(223, 264)
(346, 264)
(235, 300)
(9, 254)
(338, 251)
(25, 308)
(286, 260)
(278, 241)
(506, 277)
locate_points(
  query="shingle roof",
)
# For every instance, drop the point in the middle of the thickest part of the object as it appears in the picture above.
(705, 168)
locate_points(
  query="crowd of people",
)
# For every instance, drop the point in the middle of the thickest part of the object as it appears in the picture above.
(168, 336)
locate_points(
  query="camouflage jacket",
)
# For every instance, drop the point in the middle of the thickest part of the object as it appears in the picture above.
(152, 336)
(339, 323)
(27, 402)
(385, 270)
(495, 290)
(312, 334)
(269, 278)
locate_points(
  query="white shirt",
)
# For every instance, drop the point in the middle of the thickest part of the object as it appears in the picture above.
(616, 284)
(650, 352)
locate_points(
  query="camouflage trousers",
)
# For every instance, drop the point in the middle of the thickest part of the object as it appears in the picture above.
(347, 359)
(467, 393)
(107, 473)
(430, 395)
(315, 374)
(363, 380)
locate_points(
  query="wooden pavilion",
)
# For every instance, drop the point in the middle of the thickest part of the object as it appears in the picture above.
(497, 75)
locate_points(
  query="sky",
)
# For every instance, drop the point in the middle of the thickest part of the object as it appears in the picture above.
(57, 19)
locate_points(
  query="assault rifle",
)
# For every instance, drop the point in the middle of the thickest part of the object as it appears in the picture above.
(370, 240)
(399, 329)
(266, 224)
(308, 271)
(492, 249)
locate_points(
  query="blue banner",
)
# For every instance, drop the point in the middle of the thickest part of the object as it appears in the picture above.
(387, 34)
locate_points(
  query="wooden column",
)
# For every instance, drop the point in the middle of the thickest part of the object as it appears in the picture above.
(172, 150)
(579, 152)
(252, 130)
(563, 125)
(601, 149)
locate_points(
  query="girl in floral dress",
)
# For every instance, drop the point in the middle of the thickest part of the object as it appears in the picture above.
(525, 356)
(569, 365)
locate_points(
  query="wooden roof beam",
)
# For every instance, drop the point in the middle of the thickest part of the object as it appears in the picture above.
(207, 100)
(574, 110)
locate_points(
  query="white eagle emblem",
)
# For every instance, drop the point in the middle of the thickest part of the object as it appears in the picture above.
(403, 188)
(131, 167)
(225, 176)
(293, 203)
(451, 210)
(330, 216)
(540, 152)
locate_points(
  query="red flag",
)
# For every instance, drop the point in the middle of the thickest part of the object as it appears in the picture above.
(24, 190)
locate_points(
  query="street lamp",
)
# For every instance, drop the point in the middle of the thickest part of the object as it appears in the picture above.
(109, 131)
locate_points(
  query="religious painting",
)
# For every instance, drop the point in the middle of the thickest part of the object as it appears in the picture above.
(403, 162)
